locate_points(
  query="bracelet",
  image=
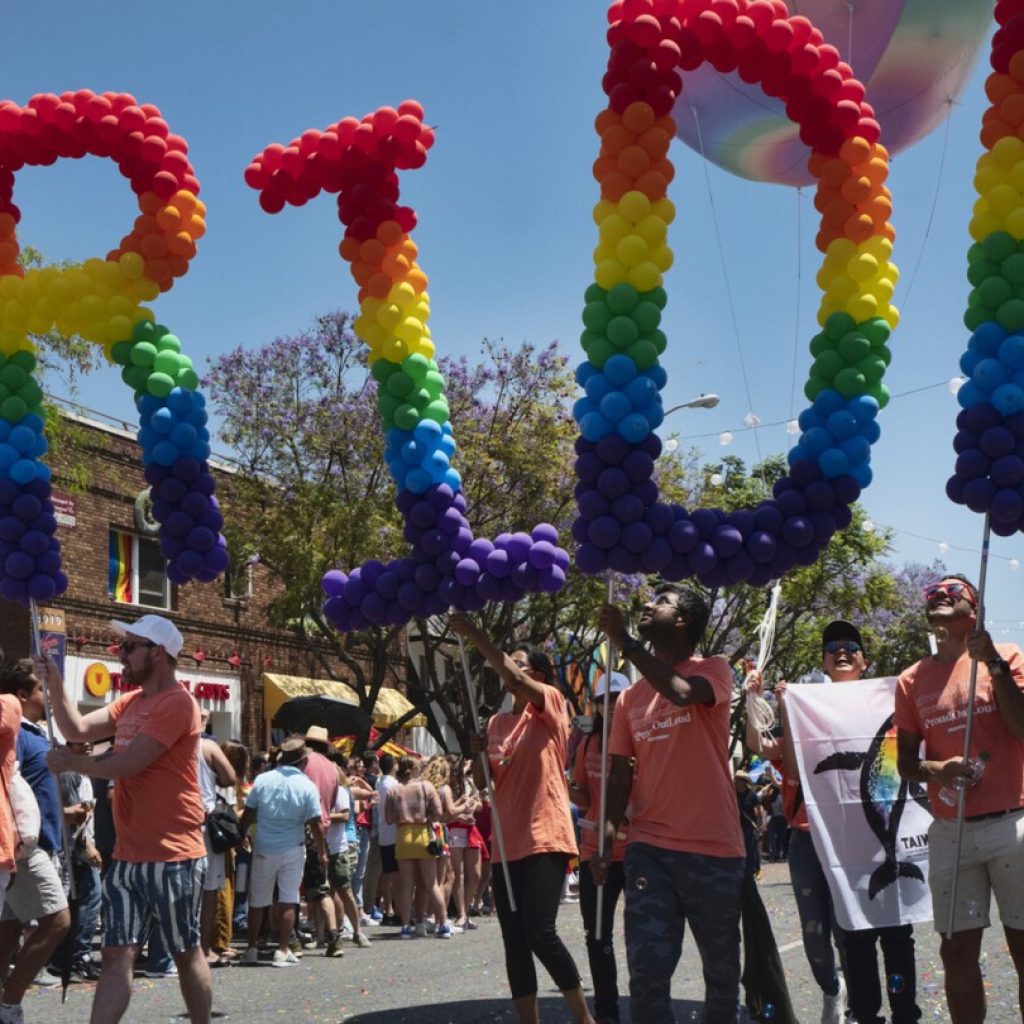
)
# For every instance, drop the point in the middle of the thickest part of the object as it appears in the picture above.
(998, 665)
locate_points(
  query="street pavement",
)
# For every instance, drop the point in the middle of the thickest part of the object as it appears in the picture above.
(462, 981)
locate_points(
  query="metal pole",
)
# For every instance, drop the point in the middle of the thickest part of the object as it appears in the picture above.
(961, 805)
(609, 664)
(496, 821)
(37, 649)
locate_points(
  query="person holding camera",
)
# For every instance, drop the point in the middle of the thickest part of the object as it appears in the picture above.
(413, 805)
(526, 749)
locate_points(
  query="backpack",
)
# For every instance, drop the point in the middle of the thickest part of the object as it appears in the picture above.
(24, 813)
(223, 828)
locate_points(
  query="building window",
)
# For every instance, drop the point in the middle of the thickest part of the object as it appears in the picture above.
(238, 581)
(137, 573)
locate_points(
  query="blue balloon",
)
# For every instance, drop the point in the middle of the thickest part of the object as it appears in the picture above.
(989, 374)
(969, 361)
(815, 441)
(23, 439)
(620, 369)
(428, 432)
(447, 445)
(634, 428)
(597, 387)
(163, 420)
(828, 401)
(659, 375)
(25, 470)
(583, 407)
(615, 406)
(584, 372)
(871, 432)
(864, 408)
(856, 449)
(166, 453)
(987, 338)
(1008, 399)
(862, 474)
(810, 418)
(971, 395)
(842, 424)
(453, 479)
(184, 435)
(641, 391)
(593, 426)
(417, 480)
(653, 413)
(180, 400)
(833, 462)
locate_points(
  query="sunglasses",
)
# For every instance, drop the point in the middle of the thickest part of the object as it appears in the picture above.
(130, 645)
(847, 646)
(951, 590)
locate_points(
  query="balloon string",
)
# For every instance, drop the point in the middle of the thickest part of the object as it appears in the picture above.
(849, 32)
(760, 713)
(799, 289)
(728, 295)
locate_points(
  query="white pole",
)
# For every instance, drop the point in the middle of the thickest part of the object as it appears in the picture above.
(495, 820)
(609, 664)
(37, 649)
(961, 805)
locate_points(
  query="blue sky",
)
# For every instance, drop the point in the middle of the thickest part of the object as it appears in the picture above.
(505, 202)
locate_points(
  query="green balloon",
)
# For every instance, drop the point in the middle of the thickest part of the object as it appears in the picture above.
(873, 368)
(399, 384)
(416, 366)
(146, 330)
(434, 382)
(658, 340)
(31, 394)
(587, 338)
(143, 353)
(999, 245)
(1010, 315)
(168, 362)
(647, 317)
(121, 352)
(596, 316)
(13, 409)
(595, 293)
(13, 377)
(827, 365)
(622, 299)
(159, 384)
(656, 295)
(981, 270)
(975, 316)
(420, 397)
(382, 369)
(820, 343)
(839, 324)
(880, 393)
(24, 359)
(994, 291)
(406, 417)
(169, 343)
(600, 351)
(876, 330)
(187, 378)
(850, 382)
(135, 377)
(622, 331)
(853, 347)
(643, 353)
(388, 404)
(3, 392)
(884, 353)
(437, 411)
(813, 386)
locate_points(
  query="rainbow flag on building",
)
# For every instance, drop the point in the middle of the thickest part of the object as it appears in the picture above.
(119, 581)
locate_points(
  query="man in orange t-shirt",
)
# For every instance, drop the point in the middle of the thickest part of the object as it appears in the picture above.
(931, 708)
(10, 723)
(685, 849)
(160, 857)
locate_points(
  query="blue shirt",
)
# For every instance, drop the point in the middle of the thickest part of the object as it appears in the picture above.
(284, 800)
(31, 751)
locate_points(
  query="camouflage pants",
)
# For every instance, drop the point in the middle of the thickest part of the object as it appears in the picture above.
(665, 891)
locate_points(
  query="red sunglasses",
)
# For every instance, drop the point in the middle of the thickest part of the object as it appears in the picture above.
(951, 590)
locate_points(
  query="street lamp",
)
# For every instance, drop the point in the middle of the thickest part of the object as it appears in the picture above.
(700, 402)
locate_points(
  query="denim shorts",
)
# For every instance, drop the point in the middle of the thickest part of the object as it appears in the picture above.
(137, 895)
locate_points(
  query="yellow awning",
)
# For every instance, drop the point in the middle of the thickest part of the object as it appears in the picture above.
(390, 706)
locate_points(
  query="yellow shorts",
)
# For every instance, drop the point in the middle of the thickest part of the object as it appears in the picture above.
(412, 842)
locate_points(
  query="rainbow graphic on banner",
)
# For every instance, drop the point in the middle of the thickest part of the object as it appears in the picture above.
(120, 576)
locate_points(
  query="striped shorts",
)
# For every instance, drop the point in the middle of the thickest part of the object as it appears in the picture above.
(137, 896)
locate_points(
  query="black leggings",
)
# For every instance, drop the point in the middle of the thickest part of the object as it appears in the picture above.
(530, 931)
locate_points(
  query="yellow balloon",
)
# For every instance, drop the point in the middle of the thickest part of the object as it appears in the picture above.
(634, 206)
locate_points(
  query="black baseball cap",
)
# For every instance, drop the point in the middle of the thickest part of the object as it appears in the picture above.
(841, 630)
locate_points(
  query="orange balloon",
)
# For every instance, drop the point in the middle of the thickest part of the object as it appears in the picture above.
(638, 117)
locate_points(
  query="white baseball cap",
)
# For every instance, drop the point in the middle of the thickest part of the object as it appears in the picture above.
(620, 682)
(161, 631)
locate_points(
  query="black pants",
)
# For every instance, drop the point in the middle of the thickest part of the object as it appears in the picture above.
(530, 931)
(601, 954)
(865, 992)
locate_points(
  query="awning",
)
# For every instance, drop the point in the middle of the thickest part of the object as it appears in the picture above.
(390, 707)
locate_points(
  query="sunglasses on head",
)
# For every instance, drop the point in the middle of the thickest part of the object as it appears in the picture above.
(952, 590)
(835, 646)
(129, 645)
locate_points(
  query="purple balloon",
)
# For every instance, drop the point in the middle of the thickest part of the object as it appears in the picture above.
(612, 449)
(544, 532)
(1007, 506)
(819, 496)
(551, 580)
(201, 539)
(519, 545)
(797, 532)
(980, 417)
(972, 464)
(410, 597)
(657, 555)
(637, 537)
(955, 489)
(1007, 471)
(489, 587)
(622, 560)
(702, 558)
(791, 503)
(593, 504)
(659, 518)
(427, 577)
(591, 559)
(761, 545)
(995, 442)
(727, 541)
(588, 467)
(683, 536)
(638, 465)
(542, 555)
(215, 561)
(978, 494)
(499, 565)
(739, 567)
(628, 509)
(768, 518)
(189, 563)
(613, 483)
(467, 572)
(706, 520)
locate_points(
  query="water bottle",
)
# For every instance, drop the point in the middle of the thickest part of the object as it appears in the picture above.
(950, 795)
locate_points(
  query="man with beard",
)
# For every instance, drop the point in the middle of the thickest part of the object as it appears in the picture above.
(684, 859)
(931, 708)
(160, 857)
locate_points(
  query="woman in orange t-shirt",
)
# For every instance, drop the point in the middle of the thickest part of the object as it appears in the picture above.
(526, 748)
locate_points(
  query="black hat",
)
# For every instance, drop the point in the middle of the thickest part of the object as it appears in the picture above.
(841, 630)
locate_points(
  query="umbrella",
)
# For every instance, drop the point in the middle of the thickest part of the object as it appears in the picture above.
(338, 717)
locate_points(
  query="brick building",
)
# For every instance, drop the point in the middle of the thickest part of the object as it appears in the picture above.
(232, 658)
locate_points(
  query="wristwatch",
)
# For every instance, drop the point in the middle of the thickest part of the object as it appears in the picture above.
(998, 665)
(632, 645)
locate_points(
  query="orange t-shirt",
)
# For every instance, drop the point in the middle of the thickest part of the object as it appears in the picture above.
(931, 702)
(10, 723)
(587, 775)
(158, 813)
(793, 807)
(527, 757)
(683, 796)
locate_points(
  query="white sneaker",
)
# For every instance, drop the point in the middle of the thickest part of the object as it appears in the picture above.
(420, 931)
(11, 1013)
(833, 1008)
(365, 921)
(288, 959)
(362, 941)
(250, 956)
(44, 979)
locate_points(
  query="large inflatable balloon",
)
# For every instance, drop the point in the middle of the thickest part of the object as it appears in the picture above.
(913, 57)
(621, 525)
(103, 301)
(447, 566)
(989, 472)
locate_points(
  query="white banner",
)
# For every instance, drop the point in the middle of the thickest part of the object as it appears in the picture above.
(869, 826)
